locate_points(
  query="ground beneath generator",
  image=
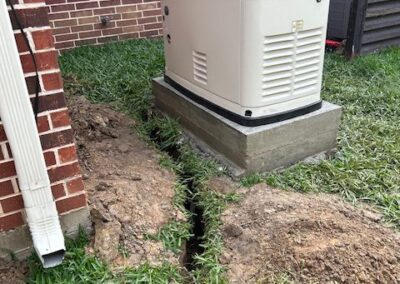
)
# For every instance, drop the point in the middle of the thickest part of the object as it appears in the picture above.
(130, 194)
(274, 236)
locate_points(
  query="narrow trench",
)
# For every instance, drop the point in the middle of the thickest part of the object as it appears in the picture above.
(194, 245)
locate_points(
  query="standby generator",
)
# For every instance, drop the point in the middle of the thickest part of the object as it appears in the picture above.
(254, 62)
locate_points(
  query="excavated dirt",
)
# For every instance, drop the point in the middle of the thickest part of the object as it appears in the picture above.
(273, 235)
(130, 195)
(13, 272)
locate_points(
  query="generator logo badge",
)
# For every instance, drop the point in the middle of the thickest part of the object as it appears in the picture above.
(297, 26)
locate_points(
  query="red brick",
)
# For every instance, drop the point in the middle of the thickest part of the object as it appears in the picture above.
(66, 37)
(132, 29)
(62, 8)
(129, 36)
(149, 6)
(131, 1)
(107, 3)
(11, 221)
(63, 172)
(32, 85)
(75, 186)
(27, 63)
(65, 23)
(47, 60)
(50, 158)
(87, 5)
(86, 29)
(126, 9)
(58, 31)
(10, 155)
(43, 39)
(60, 119)
(107, 39)
(88, 20)
(44, 60)
(71, 203)
(58, 191)
(112, 31)
(6, 188)
(67, 154)
(84, 13)
(50, 102)
(7, 169)
(52, 81)
(65, 45)
(3, 136)
(86, 41)
(21, 44)
(52, 2)
(152, 13)
(81, 28)
(149, 34)
(43, 124)
(57, 139)
(90, 34)
(147, 20)
(35, 17)
(33, 1)
(132, 15)
(127, 23)
(153, 26)
(12, 204)
(104, 11)
(58, 16)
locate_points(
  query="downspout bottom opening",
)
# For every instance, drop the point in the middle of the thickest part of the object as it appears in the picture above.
(52, 259)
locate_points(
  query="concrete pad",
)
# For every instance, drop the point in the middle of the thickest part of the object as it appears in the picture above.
(245, 149)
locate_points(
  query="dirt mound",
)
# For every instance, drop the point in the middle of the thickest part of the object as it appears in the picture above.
(274, 236)
(13, 272)
(130, 195)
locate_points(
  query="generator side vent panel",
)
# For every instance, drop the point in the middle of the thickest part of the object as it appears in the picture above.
(200, 67)
(292, 63)
(308, 62)
(278, 62)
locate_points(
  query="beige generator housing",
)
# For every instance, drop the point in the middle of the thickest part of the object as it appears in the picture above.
(254, 62)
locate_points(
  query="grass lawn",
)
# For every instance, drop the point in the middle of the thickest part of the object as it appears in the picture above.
(366, 166)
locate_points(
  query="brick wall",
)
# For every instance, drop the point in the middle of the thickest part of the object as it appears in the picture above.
(78, 22)
(53, 122)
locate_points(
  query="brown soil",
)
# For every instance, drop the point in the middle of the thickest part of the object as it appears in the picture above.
(272, 236)
(130, 195)
(13, 272)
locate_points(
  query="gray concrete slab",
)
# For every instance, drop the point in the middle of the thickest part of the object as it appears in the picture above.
(251, 149)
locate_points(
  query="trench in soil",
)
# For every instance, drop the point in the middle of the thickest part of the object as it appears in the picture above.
(193, 246)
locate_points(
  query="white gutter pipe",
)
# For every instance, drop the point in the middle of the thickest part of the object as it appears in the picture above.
(19, 124)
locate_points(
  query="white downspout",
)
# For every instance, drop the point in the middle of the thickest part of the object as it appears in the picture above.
(19, 124)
